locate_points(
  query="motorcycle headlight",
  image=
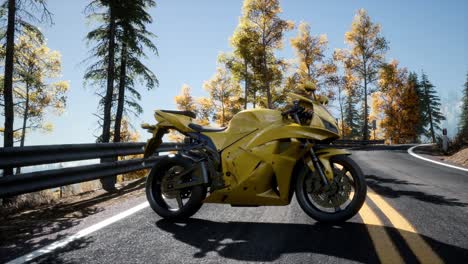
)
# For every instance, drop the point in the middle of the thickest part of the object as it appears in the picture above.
(329, 126)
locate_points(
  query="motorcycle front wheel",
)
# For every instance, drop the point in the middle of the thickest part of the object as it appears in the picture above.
(167, 203)
(338, 202)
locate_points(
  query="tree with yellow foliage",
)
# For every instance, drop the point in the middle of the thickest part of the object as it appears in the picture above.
(225, 96)
(204, 110)
(399, 103)
(261, 18)
(244, 42)
(184, 100)
(312, 66)
(34, 94)
(365, 56)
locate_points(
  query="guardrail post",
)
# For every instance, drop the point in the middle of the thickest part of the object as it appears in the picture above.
(108, 183)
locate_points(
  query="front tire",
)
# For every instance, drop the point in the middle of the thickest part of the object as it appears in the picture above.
(328, 211)
(162, 203)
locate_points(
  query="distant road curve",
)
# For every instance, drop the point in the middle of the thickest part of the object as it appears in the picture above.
(411, 152)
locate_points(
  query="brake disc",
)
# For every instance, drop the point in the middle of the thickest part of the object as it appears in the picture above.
(335, 195)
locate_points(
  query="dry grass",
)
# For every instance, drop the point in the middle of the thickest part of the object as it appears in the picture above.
(53, 196)
(460, 157)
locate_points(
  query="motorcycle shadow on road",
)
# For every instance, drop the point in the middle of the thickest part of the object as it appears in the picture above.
(250, 241)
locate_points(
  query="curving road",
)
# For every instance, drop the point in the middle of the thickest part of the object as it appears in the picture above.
(415, 212)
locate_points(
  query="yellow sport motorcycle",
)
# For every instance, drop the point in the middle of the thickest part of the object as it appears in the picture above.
(262, 158)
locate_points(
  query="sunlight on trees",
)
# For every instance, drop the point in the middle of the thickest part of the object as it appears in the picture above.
(312, 66)
(225, 96)
(399, 104)
(365, 56)
(261, 17)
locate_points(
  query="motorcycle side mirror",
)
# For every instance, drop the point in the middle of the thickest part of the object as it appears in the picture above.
(309, 87)
(322, 99)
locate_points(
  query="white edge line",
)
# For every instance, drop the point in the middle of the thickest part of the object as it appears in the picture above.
(84, 232)
(410, 151)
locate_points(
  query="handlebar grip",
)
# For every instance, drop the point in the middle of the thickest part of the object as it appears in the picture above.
(295, 108)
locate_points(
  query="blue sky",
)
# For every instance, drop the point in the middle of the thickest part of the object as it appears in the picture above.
(423, 35)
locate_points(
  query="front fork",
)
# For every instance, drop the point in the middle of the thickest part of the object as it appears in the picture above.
(320, 161)
(314, 159)
(317, 166)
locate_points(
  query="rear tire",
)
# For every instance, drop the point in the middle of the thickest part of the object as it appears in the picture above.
(360, 190)
(156, 197)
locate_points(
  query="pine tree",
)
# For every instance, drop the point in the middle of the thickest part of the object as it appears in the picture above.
(431, 108)
(414, 82)
(463, 127)
(131, 37)
(351, 116)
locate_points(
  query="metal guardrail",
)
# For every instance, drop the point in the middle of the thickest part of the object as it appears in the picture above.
(11, 185)
(348, 142)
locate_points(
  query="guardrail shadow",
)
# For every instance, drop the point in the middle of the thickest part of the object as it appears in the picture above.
(376, 183)
(55, 257)
(248, 241)
(35, 229)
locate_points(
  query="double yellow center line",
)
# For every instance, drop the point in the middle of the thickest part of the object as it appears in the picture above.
(384, 247)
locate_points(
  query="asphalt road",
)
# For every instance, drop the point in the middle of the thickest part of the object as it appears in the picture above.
(415, 212)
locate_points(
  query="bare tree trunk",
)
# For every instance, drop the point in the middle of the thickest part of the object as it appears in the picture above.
(246, 88)
(428, 107)
(108, 183)
(342, 114)
(254, 99)
(222, 114)
(110, 79)
(8, 80)
(267, 83)
(121, 98)
(8, 87)
(366, 124)
(25, 121)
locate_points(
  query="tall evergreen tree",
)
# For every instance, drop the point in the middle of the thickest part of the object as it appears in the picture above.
(102, 73)
(132, 37)
(431, 112)
(463, 127)
(351, 116)
(414, 83)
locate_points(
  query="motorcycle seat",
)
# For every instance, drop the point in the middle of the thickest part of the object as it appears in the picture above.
(199, 128)
(185, 113)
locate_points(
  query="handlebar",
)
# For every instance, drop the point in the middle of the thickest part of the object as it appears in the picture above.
(293, 110)
(297, 112)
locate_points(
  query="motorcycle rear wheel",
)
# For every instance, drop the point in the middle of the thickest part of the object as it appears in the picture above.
(187, 201)
(326, 210)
